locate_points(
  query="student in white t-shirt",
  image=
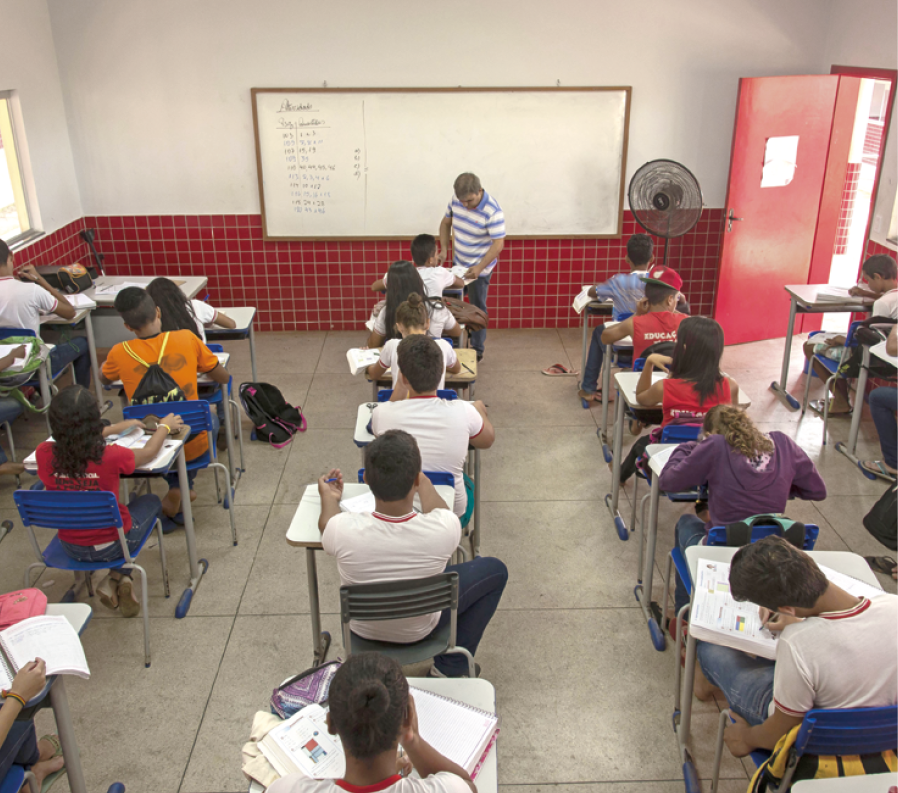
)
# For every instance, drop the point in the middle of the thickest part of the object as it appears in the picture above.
(404, 280)
(179, 313)
(436, 278)
(398, 543)
(411, 320)
(835, 650)
(373, 711)
(443, 428)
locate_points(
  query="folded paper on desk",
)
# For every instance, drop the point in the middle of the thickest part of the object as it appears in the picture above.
(49, 637)
(362, 503)
(582, 300)
(303, 745)
(81, 301)
(718, 618)
(360, 360)
(111, 290)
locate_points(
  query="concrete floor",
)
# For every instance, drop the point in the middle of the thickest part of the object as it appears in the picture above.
(584, 698)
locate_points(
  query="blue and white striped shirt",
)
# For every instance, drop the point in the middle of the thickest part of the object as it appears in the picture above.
(474, 230)
(624, 289)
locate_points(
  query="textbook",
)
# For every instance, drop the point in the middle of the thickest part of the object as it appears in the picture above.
(49, 637)
(303, 745)
(360, 360)
(718, 618)
(362, 503)
(834, 294)
(582, 300)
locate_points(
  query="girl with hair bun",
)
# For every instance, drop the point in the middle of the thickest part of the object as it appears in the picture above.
(748, 473)
(372, 711)
(411, 318)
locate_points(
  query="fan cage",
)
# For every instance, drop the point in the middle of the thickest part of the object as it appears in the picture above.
(665, 198)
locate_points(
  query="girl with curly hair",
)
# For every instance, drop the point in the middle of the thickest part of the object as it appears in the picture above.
(77, 458)
(748, 473)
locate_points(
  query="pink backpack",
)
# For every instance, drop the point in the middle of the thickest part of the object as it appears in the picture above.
(18, 606)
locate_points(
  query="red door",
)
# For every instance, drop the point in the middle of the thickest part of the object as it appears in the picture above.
(771, 239)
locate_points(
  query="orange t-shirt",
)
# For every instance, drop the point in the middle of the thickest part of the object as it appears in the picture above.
(185, 357)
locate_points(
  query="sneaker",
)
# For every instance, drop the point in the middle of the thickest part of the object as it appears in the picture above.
(108, 592)
(434, 672)
(479, 357)
(170, 524)
(127, 597)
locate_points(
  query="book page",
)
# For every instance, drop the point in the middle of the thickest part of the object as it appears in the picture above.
(852, 586)
(111, 290)
(363, 503)
(305, 741)
(49, 637)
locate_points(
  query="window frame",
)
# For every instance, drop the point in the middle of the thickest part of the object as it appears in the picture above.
(26, 177)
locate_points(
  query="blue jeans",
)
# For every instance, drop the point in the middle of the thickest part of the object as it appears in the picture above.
(172, 478)
(72, 351)
(477, 291)
(690, 531)
(144, 511)
(590, 379)
(883, 404)
(481, 583)
(746, 682)
(19, 748)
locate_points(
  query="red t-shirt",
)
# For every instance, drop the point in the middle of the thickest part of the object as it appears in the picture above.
(649, 329)
(105, 476)
(681, 399)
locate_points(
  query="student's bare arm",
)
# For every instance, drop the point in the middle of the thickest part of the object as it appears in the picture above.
(375, 371)
(430, 499)
(378, 285)
(64, 309)
(330, 494)
(487, 436)
(647, 393)
(220, 375)
(154, 444)
(454, 332)
(224, 321)
(734, 391)
(618, 332)
(741, 738)
(445, 232)
(8, 360)
(455, 368)
(376, 340)
(892, 342)
(458, 283)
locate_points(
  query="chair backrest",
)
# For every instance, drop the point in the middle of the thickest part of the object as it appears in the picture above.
(442, 393)
(850, 340)
(6, 332)
(194, 412)
(215, 347)
(436, 477)
(680, 433)
(391, 600)
(620, 316)
(848, 731)
(70, 510)
(718, 534)
(639, 364)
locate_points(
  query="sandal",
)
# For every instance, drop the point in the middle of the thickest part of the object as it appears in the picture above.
(127, 598)
(559, 370)
(877, 468)
(53, 740)
(588, 396)
(881, 564)
(817, 406)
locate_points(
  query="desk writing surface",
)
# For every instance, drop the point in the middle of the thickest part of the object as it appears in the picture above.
(657, 458)
(879, 350)
(806, 294)
(871, 783)
(242, 315)
(303, 531)
(467, 357)
(55, 319)
(627, 382)
(361, 434)
(77, 614)
(626, 341)
(190, 286)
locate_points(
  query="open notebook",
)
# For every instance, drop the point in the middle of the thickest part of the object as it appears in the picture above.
(303, 745)
(49, 637)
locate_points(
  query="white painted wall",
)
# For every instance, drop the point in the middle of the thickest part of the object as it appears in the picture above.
(863, 33)
(28, 65)
(158, 93)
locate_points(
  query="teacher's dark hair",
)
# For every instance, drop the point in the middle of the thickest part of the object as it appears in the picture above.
(466, 184)
(402, 280)
(74, 418)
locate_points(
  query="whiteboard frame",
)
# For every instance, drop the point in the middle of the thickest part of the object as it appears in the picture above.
(626, 89)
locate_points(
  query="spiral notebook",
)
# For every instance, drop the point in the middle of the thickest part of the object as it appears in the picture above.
(49, 637)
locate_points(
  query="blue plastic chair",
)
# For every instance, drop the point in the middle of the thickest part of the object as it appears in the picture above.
(838, 732)
(85, 511)
(35, 382)
(10, 410)
(196, 414)
(832, 366)
(213, 397)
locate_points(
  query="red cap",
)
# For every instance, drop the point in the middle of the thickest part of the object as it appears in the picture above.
(663, 276)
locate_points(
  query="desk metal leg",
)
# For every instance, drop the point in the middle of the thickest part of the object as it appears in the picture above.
(780, 388)
(689, 772)
(198, 567)
(611, 500)
(475, 537)
(850, 449)
(606, 390)
(233, 467)
(321, 640)
(583, 344)
(252, 352)
(643, 590)
(45, 376)
(60, 704)
(94, 366)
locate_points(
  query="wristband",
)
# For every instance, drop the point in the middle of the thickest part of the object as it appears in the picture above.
(167, 428)
(6, 694)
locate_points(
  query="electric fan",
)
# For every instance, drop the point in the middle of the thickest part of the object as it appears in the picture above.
(666, 199)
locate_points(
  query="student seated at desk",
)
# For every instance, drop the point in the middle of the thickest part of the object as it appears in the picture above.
(20, 745)
(22, 302)
(78, 459)
(880, 273)
(883, 405)
(436, 278)
(442, 428)
(179, 313)
(184, 357)
(404, 281)
(834, 650)
(411, 320)
(373, 711)
(398, 543)
(747, 472)
(10, 409)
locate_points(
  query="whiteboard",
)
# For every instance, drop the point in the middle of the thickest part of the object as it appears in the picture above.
(360, 163)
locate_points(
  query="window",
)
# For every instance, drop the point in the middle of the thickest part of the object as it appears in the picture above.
(18, 213)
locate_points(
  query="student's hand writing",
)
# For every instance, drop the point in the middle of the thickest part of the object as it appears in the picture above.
(31, 679)
(662, 362)
(404, 766)
(642, 306)
(333, 489)
(173, 421)
(774, 621)
(410, 734)
(735, 736)
(29, 273)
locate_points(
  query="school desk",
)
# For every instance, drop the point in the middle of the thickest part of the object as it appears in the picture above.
(623, 344)
(595, 308)
(841, 561)
(44, 377)
(108, 325)
(303, 533)
(244, 316)
(871, 783)
(625, 384)
(464, 379)
(85, 315)
(803, 300)
(361, 437)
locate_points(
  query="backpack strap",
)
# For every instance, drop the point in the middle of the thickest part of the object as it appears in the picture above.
(140, 360)
(739, 533)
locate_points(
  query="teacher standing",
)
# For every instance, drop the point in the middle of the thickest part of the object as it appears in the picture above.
(478, 230)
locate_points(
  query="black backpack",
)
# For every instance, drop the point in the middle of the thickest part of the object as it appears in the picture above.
(156, 385)
(882, 520)
(274, 419)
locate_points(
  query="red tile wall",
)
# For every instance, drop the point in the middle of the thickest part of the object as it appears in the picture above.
(63, 246)
(326, 285)
(875, 249)
(846, 209)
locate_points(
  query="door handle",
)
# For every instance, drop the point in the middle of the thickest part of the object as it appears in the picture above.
(730, 218)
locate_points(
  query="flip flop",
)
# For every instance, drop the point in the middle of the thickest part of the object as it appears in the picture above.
(817, 406)
(877, 468)
(881, 564)
(559, 370)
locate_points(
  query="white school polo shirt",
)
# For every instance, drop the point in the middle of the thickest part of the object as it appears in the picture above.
(886, 305)
(443, 782)
(390, 360)
(442, 428)
(22, 304)
(441, 319)
(435, 279)
(370, 547)
(205, 315)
